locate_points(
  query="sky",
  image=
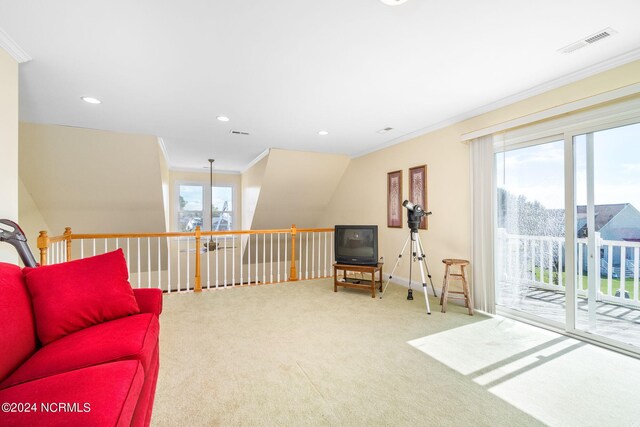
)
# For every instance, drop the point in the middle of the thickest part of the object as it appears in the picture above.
(192, 194)
(538, 172)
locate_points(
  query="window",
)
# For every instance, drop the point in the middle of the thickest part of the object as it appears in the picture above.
(222, 208)
(192, 200)
(190, 207)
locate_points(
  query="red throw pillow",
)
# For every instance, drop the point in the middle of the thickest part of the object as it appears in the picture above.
(74, 295)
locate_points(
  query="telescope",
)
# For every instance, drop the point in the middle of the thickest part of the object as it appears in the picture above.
(415, 209)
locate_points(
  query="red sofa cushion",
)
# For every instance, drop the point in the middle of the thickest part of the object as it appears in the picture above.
(17, 327)
(133, 337)
(74, 295)
(111, 391)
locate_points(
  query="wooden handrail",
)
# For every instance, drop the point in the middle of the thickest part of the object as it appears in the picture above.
(45, 241)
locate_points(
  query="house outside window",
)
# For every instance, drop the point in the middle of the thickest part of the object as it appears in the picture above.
(190, 207)
(222, 208)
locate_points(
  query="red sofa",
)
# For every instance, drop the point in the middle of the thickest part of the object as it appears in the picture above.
(78, 346)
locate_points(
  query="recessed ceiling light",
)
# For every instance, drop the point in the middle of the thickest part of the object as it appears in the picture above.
(223, 118)
(91, 100)
(393, 2)
(323, 132)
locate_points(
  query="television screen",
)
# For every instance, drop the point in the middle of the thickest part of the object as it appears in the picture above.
(356, 244)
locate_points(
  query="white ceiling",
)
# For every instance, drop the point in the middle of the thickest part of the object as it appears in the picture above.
(284, 70)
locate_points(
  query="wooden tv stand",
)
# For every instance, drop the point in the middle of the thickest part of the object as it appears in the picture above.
(357, 283)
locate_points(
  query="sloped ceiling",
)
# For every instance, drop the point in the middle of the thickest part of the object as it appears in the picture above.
(296, 188)
(93, 181)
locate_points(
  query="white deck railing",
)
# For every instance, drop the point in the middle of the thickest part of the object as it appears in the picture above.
(204, 260)
(540, 261)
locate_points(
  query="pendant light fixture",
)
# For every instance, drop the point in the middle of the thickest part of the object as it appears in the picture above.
(211, 245)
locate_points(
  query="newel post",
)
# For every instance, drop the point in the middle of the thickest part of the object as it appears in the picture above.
(67, 238)
(43, 245)
(198, 285)
(293, 274)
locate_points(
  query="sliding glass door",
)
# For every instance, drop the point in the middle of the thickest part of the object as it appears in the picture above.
(530, 223)
(606, 229)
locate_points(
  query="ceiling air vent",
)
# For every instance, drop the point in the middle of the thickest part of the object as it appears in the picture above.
(385, 130)
(593, 38)
(239, 132)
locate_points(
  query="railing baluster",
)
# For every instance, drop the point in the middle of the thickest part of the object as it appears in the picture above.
(306, 256)
(300, 256)
(264, 260)
(106, 246)
(179, 284)
(128, 263)
(249, 260)
(580, 266)
(326, 236)
(532, 244)
(609, 270)
(623, 287)
(257, 259)
(331, 237)
(94, 247)
(148, 262)
(225, 260)
(560, 263)
(188, 263)
(313, 254)
(635, 273)
(82, 249)
(279, 235)
(217, 263)
(169, 264)
(208, 244)
(159, 265)
(233, 260)
(138, 260)
(241, 263)
(286, 257)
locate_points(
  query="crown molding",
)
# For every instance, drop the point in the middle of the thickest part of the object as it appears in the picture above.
(597, 68)
(256, 160)
(203, 171)
(12, 48)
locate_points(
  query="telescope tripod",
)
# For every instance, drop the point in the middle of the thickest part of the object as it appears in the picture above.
(417, 253)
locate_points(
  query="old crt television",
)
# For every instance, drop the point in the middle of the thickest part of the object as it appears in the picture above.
(356, 244)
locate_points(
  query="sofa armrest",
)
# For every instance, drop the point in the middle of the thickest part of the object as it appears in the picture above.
(149, 300)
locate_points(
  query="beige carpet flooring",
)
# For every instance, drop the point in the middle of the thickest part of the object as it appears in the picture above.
(298, 354)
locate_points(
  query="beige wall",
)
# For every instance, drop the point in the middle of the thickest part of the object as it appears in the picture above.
(31, 219)
(296, 188)
(92, 181)
(361, 195)
(221, 179)
(165, 178)
(251, 185)
(8, 146)
(361, 198)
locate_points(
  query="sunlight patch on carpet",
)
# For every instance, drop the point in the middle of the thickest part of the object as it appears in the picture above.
(558, 380)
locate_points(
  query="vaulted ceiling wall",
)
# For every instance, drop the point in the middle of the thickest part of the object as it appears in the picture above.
(92, 181)
(296, 188)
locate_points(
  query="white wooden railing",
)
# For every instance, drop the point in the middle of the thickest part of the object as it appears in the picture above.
(540, 261)
(192, 261)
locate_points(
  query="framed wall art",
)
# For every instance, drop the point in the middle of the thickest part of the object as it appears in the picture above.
(394, 199)
(418, 190)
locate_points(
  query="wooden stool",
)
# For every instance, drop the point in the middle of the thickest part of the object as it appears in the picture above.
(448, 276)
